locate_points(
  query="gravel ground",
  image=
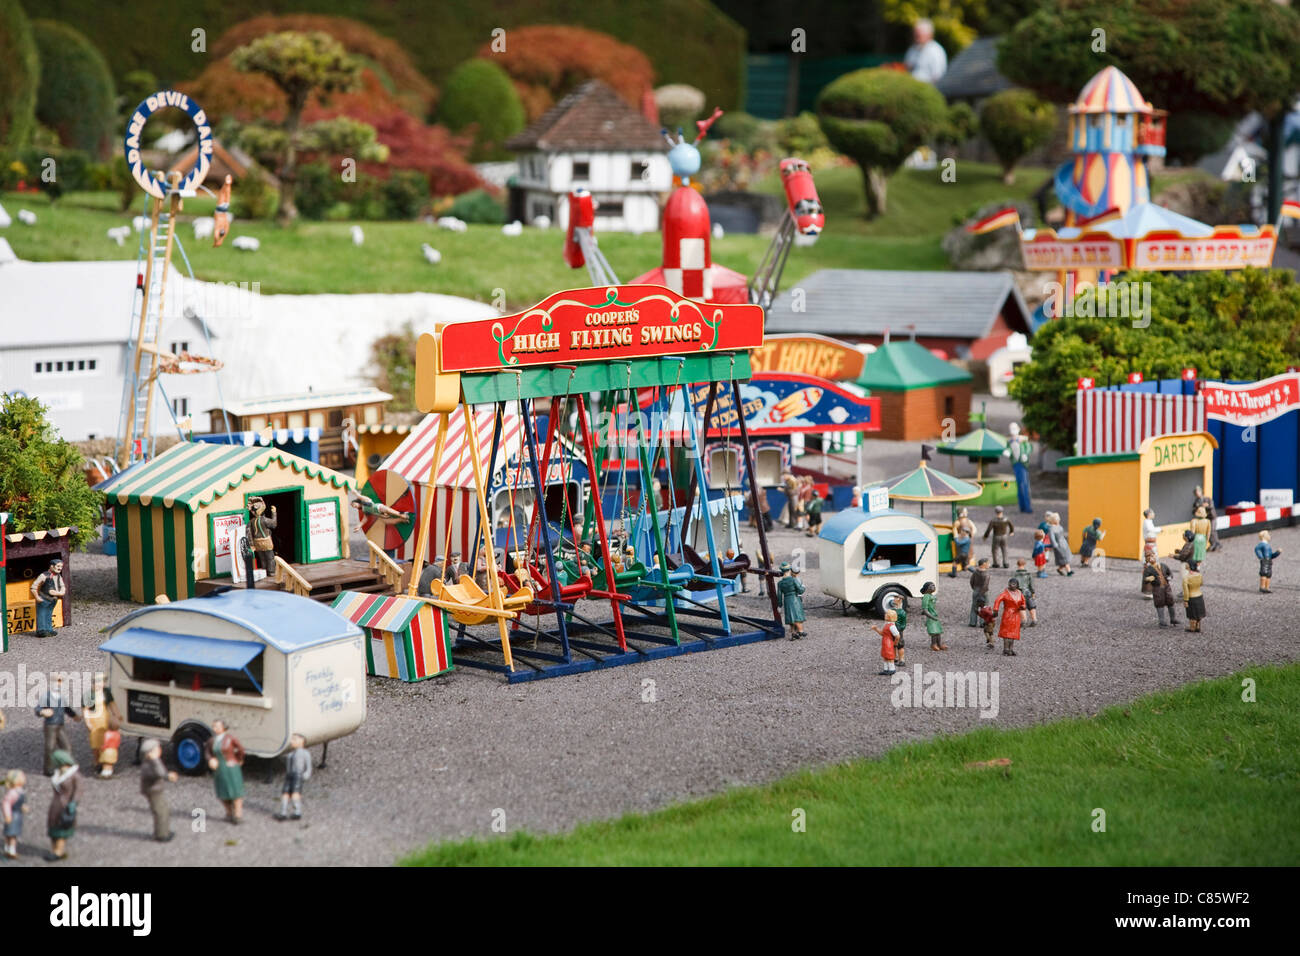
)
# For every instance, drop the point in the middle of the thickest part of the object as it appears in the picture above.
(444, 758)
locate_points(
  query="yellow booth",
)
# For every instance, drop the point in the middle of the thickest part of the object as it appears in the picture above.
(1160, 475)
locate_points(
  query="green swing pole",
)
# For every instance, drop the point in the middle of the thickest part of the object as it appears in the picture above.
(647, 491)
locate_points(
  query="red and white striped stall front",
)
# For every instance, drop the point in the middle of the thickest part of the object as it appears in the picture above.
(1112, 422)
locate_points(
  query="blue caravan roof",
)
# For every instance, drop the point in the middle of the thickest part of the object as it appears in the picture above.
(840, 525)
(183, 648)
(284, 621)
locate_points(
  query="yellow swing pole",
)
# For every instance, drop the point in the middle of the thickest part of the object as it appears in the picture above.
(426, 510)
(485, 531)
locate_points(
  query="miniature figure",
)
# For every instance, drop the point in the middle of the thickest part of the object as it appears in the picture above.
(900, 622)
(1200, 528)
(933, 626)
(103, 721)
(1156, 582)
(1265, 552)
(47, 590)
(855, 499)
(1018, 449)
(1012, 603)
(814, 508)
(888, 632)
(1150, 534)
(1027, 590)
(1184, 554)
(55, 705)
(1092, 536)
(11, 808)
(1001, 529)
(979, 588)
(221, 217)
(790, 485)
(806, 492)
(1040, 552)
(226, 761)
(154, 777)
(260, 527)
(61, 820)
(1060, 544)
(1201, 500)
(988, 617)
(1193, 595)
(297, 770)
(790, 591)
(963, 531)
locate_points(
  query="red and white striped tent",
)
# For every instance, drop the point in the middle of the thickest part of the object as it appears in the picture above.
(1112, 422)
(455, 505)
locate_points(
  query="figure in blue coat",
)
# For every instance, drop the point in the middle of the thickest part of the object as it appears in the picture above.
(790, 592)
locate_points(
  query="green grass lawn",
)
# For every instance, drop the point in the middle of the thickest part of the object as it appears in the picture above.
(319, 256)
(1189, 777)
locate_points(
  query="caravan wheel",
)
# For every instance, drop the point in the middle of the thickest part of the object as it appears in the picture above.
(885, 596)
(188, 743)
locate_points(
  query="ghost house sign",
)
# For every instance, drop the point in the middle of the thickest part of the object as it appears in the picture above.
(134, 159)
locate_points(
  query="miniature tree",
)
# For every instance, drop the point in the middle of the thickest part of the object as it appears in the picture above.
(1016, 122)
(42, 484)
(77, 98)
(878, 118)
(479, 94)
(301, 64)
(20, 77)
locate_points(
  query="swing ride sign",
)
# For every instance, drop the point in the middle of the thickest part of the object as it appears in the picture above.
(601, 324)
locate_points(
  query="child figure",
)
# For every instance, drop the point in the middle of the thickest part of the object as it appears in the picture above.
(989, 617)
(888, 632)
(11, 808)
(297, 770)
(1027, 590)
(933, 626)
(1264, 551)
(900, 622)
(1040, 553)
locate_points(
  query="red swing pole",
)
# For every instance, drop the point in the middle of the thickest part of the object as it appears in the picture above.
(594, 491)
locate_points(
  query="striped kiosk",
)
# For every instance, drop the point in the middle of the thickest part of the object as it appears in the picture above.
(406, 638)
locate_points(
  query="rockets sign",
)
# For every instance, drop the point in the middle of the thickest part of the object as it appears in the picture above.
(781, 404)
(601, 324)
(1252, 404)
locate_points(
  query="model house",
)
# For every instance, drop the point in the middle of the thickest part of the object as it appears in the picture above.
(591, 140)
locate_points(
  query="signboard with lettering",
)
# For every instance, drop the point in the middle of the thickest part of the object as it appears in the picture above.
(224, 530)
(781, 404)
(1254, 403)
(148, 710)
(323, 530)
(133, 147)
(1045, 252)
(601, 324)
(1226, 248)
(1174, 452)
(817, 355)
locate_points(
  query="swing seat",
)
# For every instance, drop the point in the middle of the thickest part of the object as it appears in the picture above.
(729, 568)
(652, 585)
(631, 575)
(467, 602)
(541, 601)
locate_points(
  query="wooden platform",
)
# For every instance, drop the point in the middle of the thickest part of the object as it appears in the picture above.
(327, 580)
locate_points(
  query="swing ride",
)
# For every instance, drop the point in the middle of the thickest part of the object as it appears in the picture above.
(576, 589)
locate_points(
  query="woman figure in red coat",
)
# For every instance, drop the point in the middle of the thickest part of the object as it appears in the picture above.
(1012, 603)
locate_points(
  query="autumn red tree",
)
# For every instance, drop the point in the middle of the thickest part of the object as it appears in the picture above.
(546, 62)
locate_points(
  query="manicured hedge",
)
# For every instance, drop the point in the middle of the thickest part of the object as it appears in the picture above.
(479, 93)
(77, 98)
(20, 74)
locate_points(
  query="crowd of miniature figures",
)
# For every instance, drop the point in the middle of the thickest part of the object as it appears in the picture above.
(223, 753)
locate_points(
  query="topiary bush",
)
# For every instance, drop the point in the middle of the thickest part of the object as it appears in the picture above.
(1016, 122)
(20, 75)
(478, 97)
(679, 106)
(878, 117)
(77, 98)
(405, 194)
(477, 205)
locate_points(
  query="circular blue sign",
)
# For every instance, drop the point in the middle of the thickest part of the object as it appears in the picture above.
(131, 144)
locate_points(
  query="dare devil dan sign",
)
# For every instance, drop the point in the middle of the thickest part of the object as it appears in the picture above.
(602, 324)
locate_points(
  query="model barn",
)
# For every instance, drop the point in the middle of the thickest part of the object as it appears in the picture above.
(918, 391)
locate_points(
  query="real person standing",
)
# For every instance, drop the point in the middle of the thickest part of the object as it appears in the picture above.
(1264, 551)
(1001, 528)
(933, 626)
(925, 59)
(1156, 577)
(1194, 595)
(226, 761)
(1150, 534)
(48, 590)
(979, 590)
(55, 705)
(789, 591)
(154, 777)
(61, 820)
(1012, 603)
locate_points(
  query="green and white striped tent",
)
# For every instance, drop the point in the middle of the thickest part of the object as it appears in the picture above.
(174, 514)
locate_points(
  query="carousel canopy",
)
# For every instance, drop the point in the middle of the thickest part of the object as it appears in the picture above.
(924, 483)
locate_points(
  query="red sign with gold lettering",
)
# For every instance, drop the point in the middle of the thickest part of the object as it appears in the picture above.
(602, 324)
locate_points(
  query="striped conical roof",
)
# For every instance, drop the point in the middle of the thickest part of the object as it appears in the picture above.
(924, 483)
(980, 443)
(1110, 91)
